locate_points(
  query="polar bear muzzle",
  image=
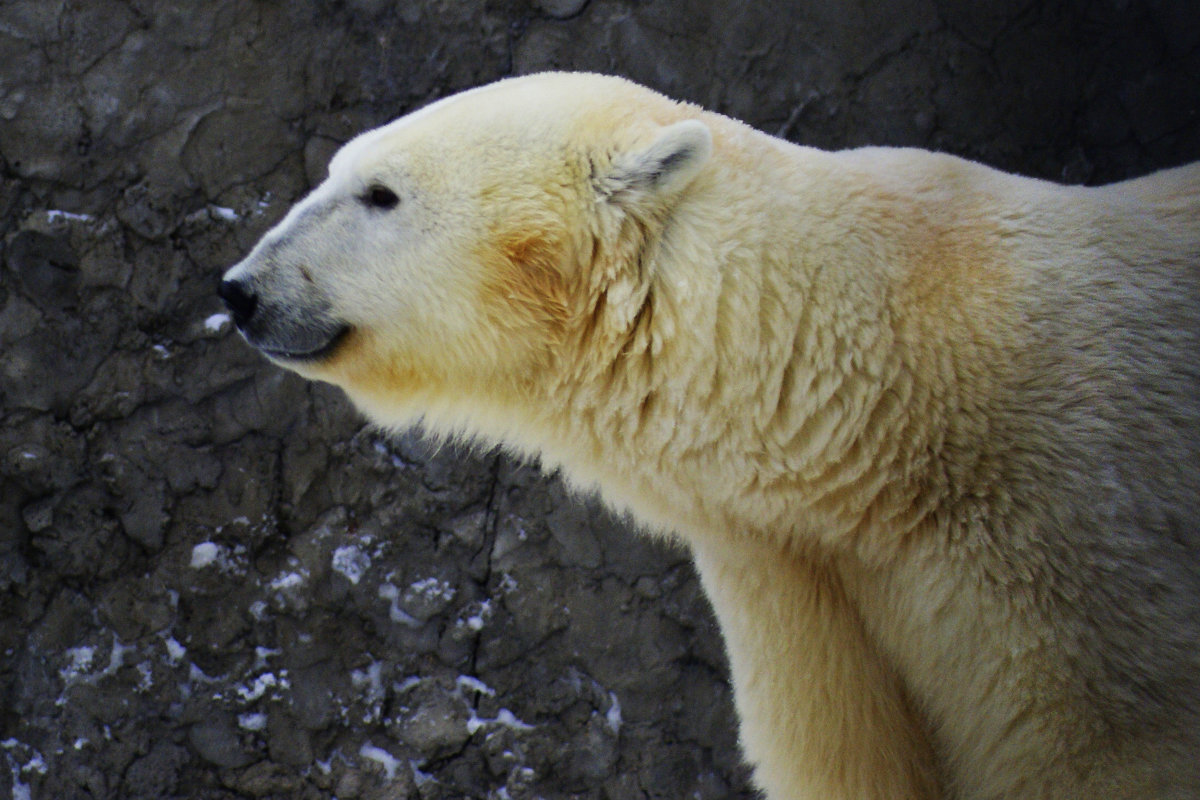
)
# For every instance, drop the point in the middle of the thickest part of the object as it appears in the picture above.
(287, 329)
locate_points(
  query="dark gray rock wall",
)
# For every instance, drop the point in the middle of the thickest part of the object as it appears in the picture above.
(215, 582)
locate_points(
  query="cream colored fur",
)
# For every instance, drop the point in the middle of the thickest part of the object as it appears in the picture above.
(931, 431)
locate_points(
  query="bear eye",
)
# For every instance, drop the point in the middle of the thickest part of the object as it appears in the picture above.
(379, 196)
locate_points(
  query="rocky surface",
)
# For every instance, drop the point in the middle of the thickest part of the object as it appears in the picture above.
(215, 582)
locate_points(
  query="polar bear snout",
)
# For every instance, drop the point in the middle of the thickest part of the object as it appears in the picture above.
(239, 299)
(284, 325)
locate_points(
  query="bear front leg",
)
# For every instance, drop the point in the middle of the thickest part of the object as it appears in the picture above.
(822, 715)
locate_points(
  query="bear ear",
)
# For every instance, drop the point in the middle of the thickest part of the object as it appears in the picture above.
(662, 169)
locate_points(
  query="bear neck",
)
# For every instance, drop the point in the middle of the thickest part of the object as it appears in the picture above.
(780, 384)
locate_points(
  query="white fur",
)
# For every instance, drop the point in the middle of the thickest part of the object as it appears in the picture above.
(930, 430)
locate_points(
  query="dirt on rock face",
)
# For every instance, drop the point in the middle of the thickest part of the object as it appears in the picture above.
(215, 580)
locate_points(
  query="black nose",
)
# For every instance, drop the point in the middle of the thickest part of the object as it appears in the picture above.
(240, 301)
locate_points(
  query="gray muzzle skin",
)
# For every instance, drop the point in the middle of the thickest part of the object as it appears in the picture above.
(294, 326)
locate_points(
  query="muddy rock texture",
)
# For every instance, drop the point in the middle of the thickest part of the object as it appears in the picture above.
(215, 581)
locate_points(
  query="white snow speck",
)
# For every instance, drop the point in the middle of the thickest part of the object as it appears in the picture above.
(419, 778)
(476, 621)
(410, 682)
(509, 720)
(204, 554)
(370, 678)
(369, 683)
(475, 685)
(351, 562)
(79, 661)
(216, 323)
(433, 588)
(116, 658)
(261, 654)
(146, 670)
(175, 651)
(255, 721)
(54, 215)
(614, 714)
(382, 757)
(504, 717)
(258, 687)
(287, 581)
(197, 675)
(220, 212)
(389, 592)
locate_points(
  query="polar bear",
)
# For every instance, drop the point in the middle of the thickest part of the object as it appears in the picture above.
(931, 431)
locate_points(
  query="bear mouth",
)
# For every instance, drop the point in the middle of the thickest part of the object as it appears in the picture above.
(309, 355)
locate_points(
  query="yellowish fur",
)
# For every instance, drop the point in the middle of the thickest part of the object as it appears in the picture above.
(931, 431)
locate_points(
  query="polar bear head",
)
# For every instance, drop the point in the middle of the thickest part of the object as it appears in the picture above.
(456, 252)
